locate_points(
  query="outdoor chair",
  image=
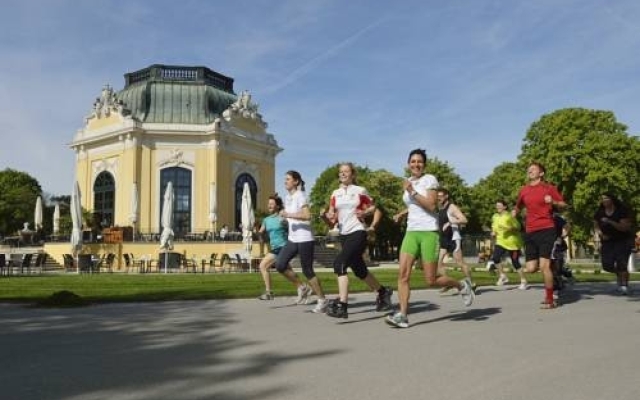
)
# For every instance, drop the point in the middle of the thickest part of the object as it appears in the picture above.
(243, 263)
(3, 264)
(68, 262)
(86, 263)
(39, 263)
(25, 263)
(106, 263)
(211, 261)
(190, 264)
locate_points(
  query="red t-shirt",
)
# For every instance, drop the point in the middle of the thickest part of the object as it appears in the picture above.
(539, 214)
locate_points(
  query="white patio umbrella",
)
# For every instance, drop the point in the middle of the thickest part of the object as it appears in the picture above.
(56, 219)
(133, 216)
(247, 219)
(166, 238)
(213, 209)
(37, 214)
(76, 221)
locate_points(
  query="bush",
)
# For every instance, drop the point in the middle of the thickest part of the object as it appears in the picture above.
(63, 298)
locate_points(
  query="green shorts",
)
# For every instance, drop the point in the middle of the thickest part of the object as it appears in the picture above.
(421, 244)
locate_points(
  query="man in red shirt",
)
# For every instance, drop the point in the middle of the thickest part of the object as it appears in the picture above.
(539, 198)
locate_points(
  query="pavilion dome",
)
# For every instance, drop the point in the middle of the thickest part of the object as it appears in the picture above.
(177, 94)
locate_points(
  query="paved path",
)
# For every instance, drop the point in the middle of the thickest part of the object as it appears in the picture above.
(503, 347)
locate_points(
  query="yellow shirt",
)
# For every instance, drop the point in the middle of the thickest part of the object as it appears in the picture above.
(507, 230)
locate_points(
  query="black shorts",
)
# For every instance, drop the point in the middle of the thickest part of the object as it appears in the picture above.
(514, 255)
(539, 244)
(449, 244)
(615, 255)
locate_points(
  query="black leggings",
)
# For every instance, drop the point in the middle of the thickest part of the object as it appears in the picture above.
(290, 250)
(353, 245)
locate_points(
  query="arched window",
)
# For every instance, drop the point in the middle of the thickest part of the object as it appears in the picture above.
(104, 195)
(181, 180)
(253, 188)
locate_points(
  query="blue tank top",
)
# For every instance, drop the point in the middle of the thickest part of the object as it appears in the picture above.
(276, 229)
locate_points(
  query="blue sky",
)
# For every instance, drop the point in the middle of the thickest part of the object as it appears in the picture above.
(361, 81)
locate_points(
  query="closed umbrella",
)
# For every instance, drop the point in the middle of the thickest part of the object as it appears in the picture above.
(37, 214)
(133, 216)
(166, 238)
(56, 219)
(213, 209)
(76, 221)
(247, 219)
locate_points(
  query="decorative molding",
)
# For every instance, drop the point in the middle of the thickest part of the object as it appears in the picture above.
(175, 157)
(107, 104)
(241, 167)
(106, 164)
(244, 108)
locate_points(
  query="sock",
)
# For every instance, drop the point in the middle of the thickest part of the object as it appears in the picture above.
(548, 294)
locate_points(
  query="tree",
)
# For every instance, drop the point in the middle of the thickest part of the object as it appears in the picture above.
(383, 186)
(585, 153)
(17, 200)
(504, 182)
(458, 190)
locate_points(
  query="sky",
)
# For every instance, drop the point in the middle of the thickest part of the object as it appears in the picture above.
(364, 81)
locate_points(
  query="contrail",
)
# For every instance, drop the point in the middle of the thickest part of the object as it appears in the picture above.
(311, 64)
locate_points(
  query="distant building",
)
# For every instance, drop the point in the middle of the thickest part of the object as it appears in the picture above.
(180, 124)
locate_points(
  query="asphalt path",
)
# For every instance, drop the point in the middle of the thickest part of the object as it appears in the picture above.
(502, 347)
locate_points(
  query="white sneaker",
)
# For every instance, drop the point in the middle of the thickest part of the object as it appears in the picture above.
(491, 266)
(502, 280)
(321, 306)
(467, 293)
(623, 290)
(303, 294)
(523, 285)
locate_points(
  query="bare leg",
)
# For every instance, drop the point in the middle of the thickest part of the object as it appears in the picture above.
(372, 282)
(292, 277)
(457, 256)
(343, 288)
(316, 286)
(432, 278)
(266, 263)
(404, 274)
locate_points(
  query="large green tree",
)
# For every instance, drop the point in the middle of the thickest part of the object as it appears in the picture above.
(17, 200)
(585, 152)
(502, 184)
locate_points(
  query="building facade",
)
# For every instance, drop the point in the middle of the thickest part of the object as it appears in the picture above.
(178, 124)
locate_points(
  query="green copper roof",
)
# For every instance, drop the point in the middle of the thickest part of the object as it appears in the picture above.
(175, 94)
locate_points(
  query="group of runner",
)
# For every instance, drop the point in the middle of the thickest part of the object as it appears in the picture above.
(433, 231)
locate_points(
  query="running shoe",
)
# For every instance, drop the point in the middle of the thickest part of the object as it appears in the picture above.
(398, 320)
(503, 280)
(321, 306)
(523, 285)
(383, 301)
(303, 294)
(266, 296)
(467, 293)
(338, 310)
(623, 290)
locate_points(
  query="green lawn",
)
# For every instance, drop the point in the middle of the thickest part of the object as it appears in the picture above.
(98, 288)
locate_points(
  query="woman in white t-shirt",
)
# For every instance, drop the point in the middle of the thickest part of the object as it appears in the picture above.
(348, 206)
(421, 241)
(300, 242)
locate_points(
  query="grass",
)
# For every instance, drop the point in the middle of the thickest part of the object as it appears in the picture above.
(108, 288)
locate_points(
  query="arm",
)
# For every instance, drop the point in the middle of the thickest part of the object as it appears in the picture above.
(399, 216)
(377, 216)
(428, 201)
(304, 214)
(458, 215)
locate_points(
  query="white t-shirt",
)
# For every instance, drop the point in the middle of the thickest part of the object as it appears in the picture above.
(420, 219)
(346, 201)
(299, 231)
